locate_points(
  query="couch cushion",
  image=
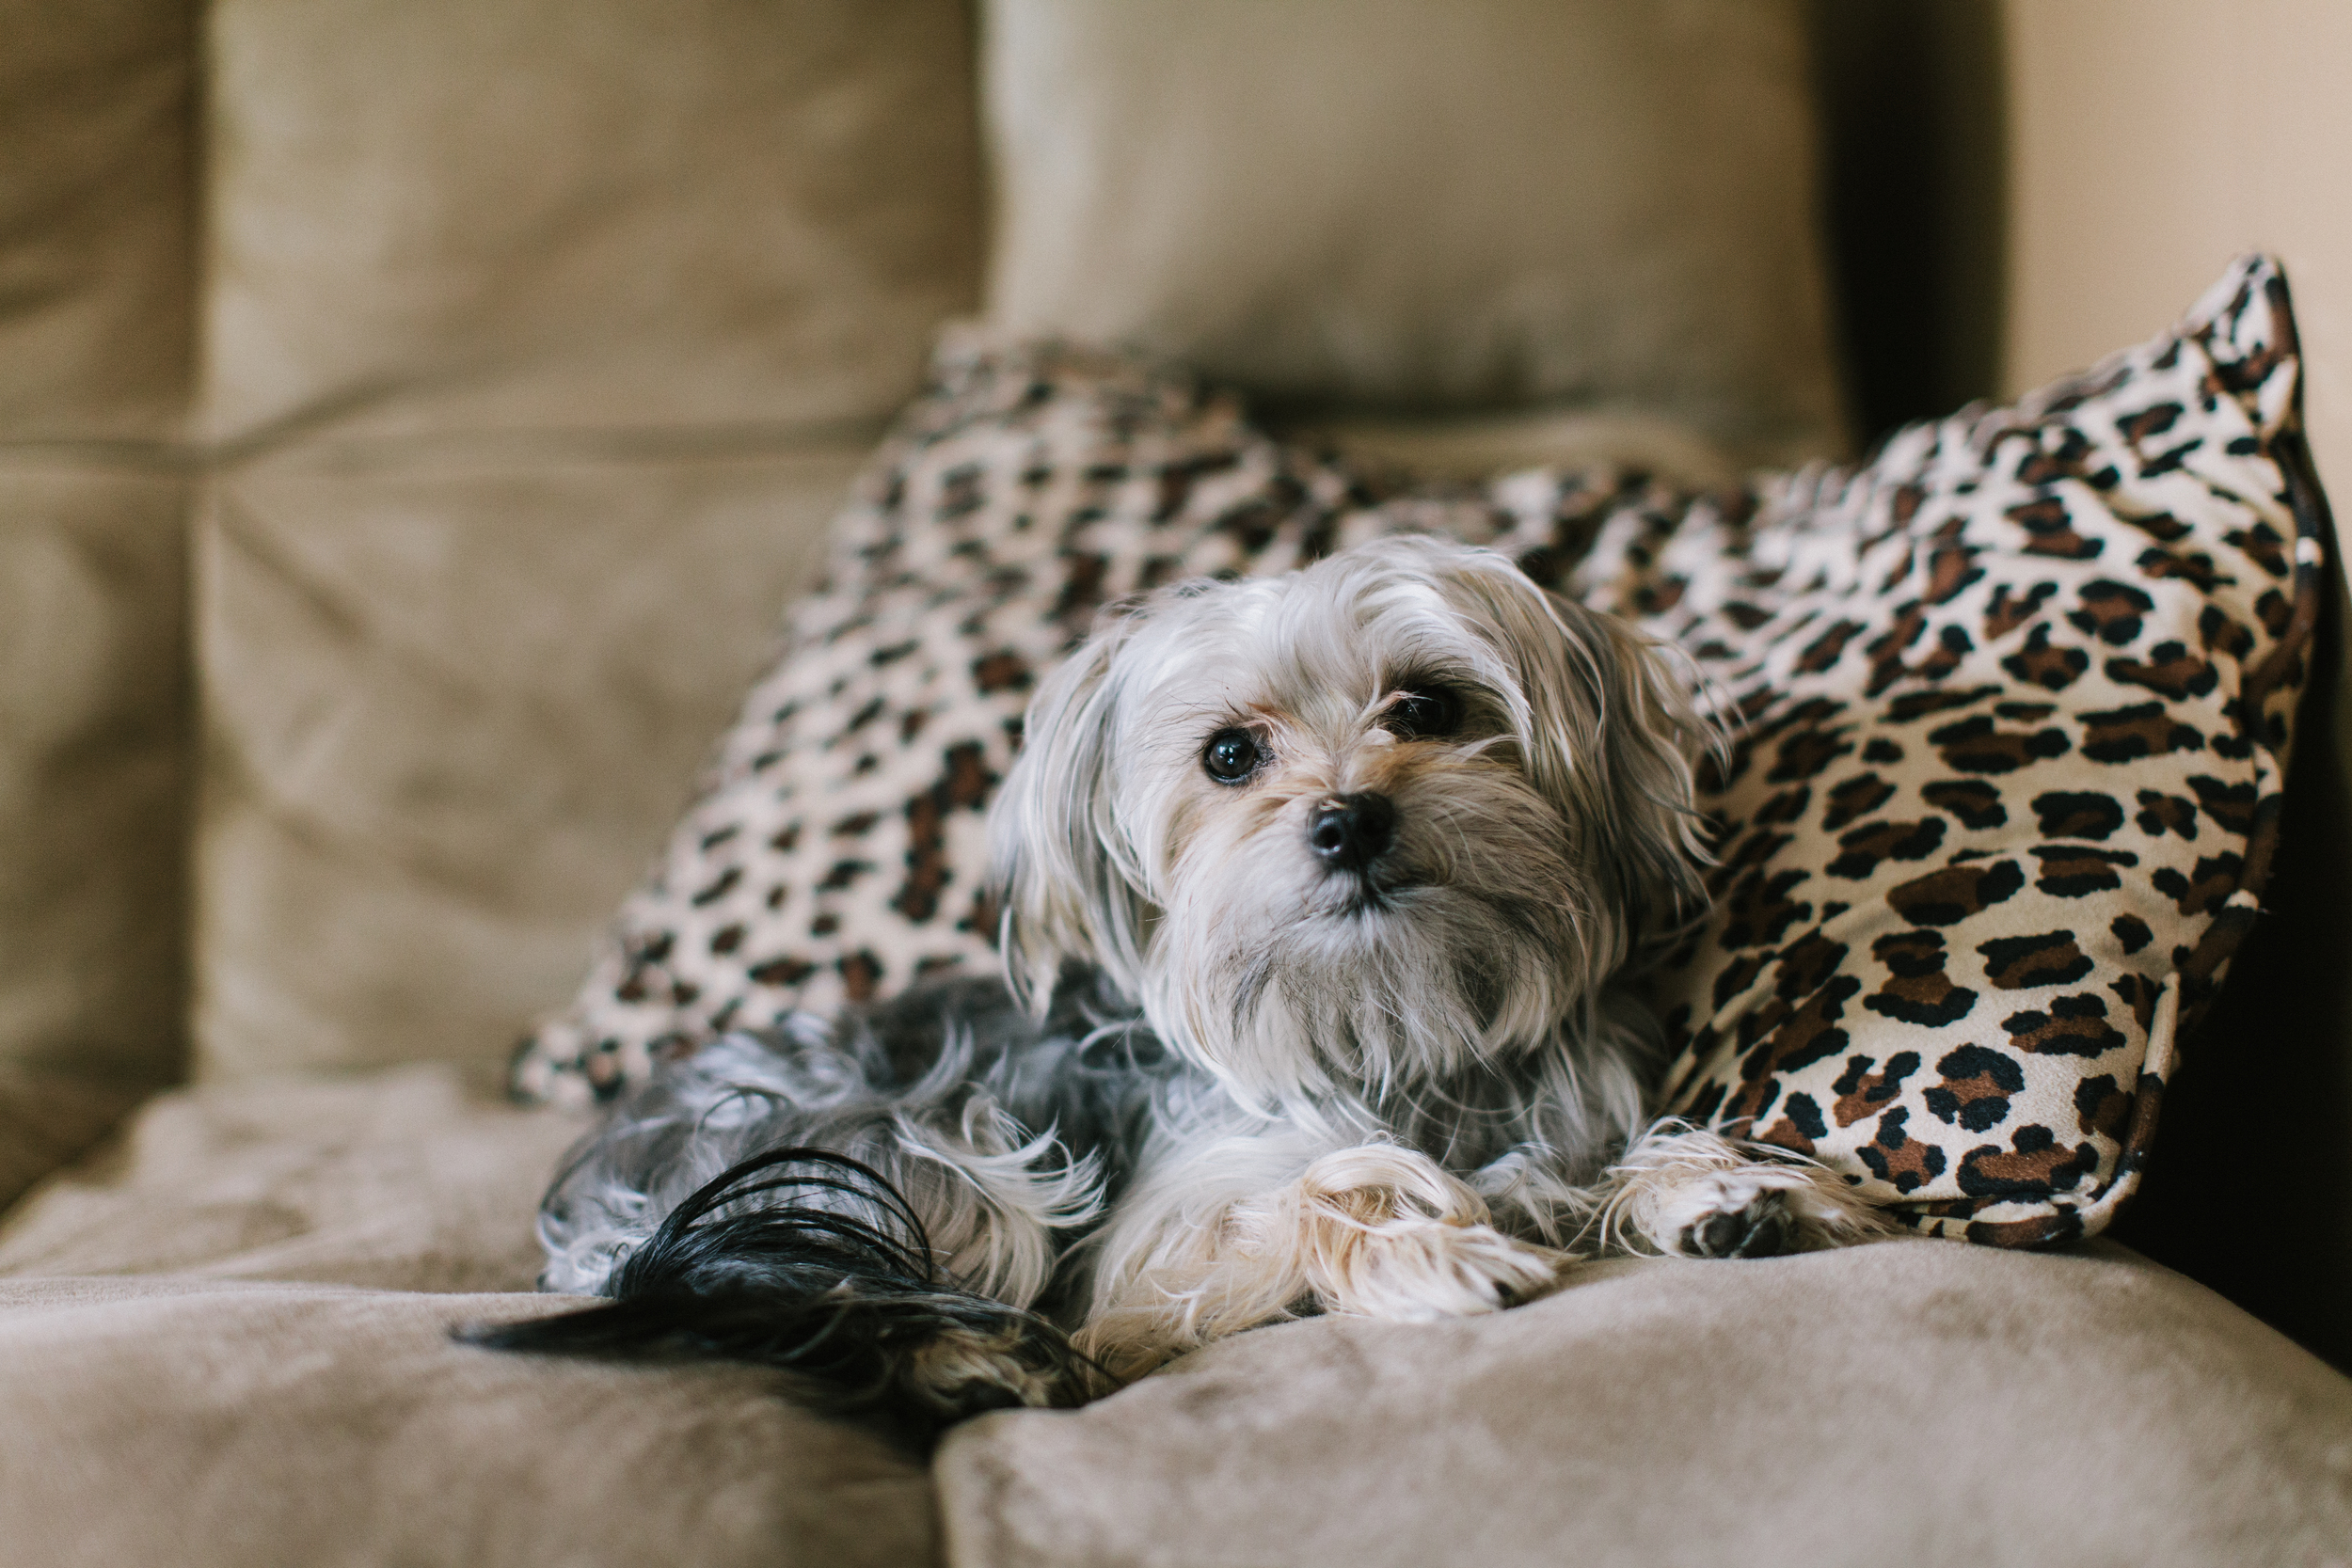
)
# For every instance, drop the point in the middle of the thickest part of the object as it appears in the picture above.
(97, 186)
(540, 338)
(434, 214)
(97, 132)
(246, 1426)
(1493, 202)
(397, 1180)
(1913, 1402)
(94, 779)
(453, 696)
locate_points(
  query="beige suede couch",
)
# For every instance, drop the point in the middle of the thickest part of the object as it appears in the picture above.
(414, 415)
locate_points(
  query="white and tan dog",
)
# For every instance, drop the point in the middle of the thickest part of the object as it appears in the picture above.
(1319, 890)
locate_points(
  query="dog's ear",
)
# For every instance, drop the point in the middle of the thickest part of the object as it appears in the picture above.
(1610, 735)
(1069, 883)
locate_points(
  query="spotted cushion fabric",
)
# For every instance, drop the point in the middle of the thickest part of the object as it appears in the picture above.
(2012, 704)
(2016, 701)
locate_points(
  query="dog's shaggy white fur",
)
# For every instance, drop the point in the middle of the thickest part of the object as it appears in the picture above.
(1321, 889)
(1426, 1068)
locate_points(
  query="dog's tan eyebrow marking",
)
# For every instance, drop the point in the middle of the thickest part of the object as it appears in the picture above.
(1211, 717)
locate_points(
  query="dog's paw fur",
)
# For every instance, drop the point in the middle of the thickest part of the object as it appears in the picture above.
(1391, 1232)
(1386, 1232)
(1424, 1270)
(1687, 1193)
(1734, 1214)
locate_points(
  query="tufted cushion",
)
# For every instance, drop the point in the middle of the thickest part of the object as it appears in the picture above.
(541, 339)
(2011, 705)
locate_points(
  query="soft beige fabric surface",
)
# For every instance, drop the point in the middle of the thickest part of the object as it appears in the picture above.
(1476, 447)
(1384, 201)
(453, 698)
(401, 1181)
(96, 129)
(97, 125)
(46, 1119)
(453, 215)
(94, 742)
(1914, 1402)
(197, 1416)
(224, 1425)
(542, 339)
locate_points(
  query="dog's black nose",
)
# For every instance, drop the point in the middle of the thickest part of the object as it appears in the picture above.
(1350, 831)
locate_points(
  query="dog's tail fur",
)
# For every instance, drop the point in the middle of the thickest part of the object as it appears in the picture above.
(810, 1261)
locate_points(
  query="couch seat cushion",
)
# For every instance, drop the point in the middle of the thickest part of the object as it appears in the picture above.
(1914, 1402)
(399, 1180)
(248, 1425)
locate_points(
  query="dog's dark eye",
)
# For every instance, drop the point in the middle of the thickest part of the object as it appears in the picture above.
(1232, 757)
(1430, 713)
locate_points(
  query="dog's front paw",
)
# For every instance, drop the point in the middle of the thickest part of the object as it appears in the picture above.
(1732, 1215)
(1421, 1271)
(1687, 1193)
(1386, 1232)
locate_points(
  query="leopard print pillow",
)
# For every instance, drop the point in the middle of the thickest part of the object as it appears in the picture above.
(2016, 701)
(2013, 706)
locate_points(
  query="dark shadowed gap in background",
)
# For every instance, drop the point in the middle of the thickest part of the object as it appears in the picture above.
(2244, 1190)
(1914, 186)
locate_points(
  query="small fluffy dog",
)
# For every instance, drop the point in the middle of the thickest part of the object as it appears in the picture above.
(1318, 889)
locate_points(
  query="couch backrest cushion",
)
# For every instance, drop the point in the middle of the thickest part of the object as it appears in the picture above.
(1380, 203)
(96, 132)
(96, 155)
(542, 339)
(441, 215)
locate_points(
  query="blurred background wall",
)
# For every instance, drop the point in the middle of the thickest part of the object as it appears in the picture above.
(2151, 140)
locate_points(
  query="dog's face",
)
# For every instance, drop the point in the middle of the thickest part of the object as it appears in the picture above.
(1360, 825)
